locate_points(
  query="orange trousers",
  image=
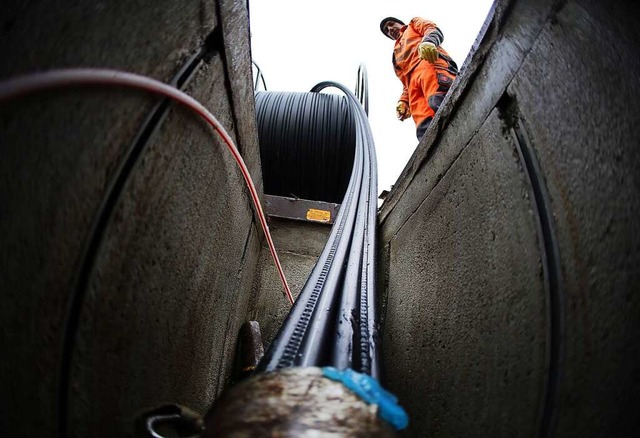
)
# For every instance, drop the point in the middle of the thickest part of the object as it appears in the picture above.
(428, 85)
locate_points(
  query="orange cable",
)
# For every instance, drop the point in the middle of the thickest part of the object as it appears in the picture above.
(64, 78)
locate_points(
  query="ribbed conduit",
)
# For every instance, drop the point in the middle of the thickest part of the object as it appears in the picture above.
(334, 320)
(307, 143)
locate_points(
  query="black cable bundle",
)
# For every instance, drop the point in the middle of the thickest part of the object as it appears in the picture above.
(334, 320)
(307, 143)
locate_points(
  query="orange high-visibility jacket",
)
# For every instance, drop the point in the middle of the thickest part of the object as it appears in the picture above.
(406, 58)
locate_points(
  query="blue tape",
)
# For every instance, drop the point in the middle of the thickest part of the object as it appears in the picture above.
(370, 391)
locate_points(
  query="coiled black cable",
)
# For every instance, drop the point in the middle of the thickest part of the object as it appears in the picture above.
(307, 143)
(334, 320)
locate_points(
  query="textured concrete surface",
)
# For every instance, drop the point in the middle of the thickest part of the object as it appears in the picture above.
(148, 37)
(584, 125)
(473, 351)
(237, 59)
(166, 291)
(465, 315)
(172, 276)
(299, 245)
(468, 329)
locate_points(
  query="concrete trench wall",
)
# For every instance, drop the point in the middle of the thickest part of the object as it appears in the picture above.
(512, 297)
(118, 300)
(499, 319)
(299, 245)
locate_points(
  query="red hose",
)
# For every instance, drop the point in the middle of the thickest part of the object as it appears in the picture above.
(55, 79)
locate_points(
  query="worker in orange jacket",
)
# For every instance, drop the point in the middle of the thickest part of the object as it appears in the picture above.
(424, 68)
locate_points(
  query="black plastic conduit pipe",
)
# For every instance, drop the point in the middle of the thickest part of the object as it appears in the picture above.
(307, 143)
(306, 384)
(334, 321)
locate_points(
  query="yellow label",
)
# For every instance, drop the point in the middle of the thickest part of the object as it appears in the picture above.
(318, 215)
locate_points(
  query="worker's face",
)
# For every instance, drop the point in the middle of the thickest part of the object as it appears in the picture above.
(393, 29)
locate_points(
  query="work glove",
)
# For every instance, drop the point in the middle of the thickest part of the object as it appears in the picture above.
(428, 52)
(402, 110)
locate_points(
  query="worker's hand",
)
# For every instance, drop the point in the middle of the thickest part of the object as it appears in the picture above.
(402, 110)
(428, 52)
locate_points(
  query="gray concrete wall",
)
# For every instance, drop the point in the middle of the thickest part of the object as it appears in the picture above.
(299, 244)
(498, 322)
(102, 320)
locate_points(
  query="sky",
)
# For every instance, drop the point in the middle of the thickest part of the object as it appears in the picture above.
(298, 44)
